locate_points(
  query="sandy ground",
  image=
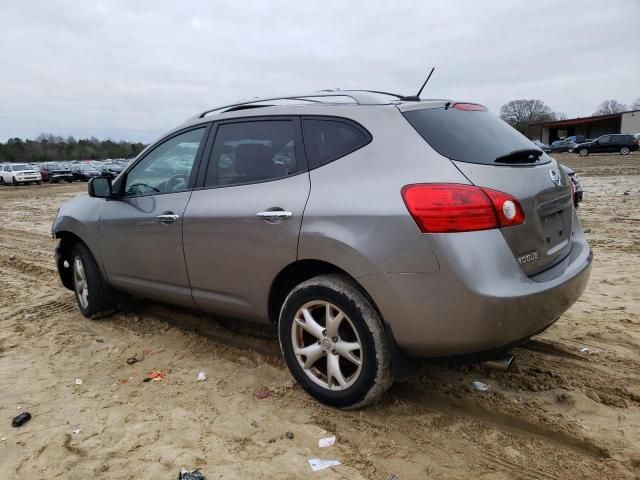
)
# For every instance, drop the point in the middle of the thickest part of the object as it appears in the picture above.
(562, 413)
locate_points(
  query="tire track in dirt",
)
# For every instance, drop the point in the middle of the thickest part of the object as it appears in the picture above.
(516, 421)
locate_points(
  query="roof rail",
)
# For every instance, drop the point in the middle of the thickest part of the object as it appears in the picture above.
(360, 97)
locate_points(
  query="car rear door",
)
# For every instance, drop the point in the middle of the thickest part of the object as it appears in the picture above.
(141, 232)
(242, 223)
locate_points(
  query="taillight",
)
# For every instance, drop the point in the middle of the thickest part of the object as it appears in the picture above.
(442, 208)
(573, 187)
(469, 107)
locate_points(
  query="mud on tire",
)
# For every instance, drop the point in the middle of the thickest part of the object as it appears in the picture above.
(359, 324)
(95, 300)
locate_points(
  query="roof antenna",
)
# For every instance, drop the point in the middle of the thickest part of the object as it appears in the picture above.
(416, 98)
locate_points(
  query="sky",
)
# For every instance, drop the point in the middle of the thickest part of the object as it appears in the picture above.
(131, 70)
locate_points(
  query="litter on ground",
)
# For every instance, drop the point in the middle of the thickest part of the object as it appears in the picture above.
(321, 463)
(263, 392)
(21, 419)
(202, 377)
(327, 442)
(155, 376)
(481, 386)
(191, 475)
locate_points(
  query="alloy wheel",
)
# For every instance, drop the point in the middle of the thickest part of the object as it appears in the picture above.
(80, 282)
(624, 150)
(327, 345)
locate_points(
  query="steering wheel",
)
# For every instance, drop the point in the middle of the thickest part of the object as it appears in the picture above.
(175, 181)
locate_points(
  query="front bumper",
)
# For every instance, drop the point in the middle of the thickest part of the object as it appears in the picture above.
(56, 177)
(480, 299)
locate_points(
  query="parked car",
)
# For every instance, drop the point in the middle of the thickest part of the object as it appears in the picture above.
(624, 144)
(111, 170)
(17, 173)
(466, 243)
(84, 172)
(542, 146)
(577, 139)
(54, 173)
(561, 146)
(577, 188)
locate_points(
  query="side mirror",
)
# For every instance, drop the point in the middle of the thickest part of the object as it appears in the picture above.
(100, 187)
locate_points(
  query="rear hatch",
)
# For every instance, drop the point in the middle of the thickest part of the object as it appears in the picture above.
(491, 154)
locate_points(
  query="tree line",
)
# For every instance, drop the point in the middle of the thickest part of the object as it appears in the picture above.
(54, 148)
(521, 113)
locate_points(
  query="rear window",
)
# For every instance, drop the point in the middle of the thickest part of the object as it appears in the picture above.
(327, 140)
(469, 136)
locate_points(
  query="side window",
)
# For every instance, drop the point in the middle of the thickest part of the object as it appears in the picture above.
(605, 139)
(328, 140)
(167, 168)
(250, 152)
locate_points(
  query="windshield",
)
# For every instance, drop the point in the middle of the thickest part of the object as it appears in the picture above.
(470, 136)
(54, 166)
(21, 166)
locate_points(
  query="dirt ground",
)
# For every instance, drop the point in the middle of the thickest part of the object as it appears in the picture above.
(563, 412)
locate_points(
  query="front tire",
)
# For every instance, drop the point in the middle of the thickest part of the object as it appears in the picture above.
(333, 342)
(624, 151)
(583, 152)
(88, 286)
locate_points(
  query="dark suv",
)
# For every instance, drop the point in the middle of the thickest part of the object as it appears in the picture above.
(608, 143)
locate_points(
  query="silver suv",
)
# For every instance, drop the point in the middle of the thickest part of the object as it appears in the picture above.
(369, 227)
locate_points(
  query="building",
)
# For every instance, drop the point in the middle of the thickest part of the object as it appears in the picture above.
(589, 127)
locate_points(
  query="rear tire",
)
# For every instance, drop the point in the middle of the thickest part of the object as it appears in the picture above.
(88, 286)
(583, 152)
(347, 362)
(624, 151)
(2, 181)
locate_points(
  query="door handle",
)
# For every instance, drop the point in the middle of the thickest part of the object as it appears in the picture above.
(167, 218)
(274, 215)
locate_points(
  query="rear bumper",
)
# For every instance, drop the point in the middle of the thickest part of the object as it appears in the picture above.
(480, 299)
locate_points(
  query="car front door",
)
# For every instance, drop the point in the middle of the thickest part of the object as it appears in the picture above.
(141, 230)
(241, 225)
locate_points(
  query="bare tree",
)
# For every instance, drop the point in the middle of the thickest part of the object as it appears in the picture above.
(636, 104)
(610, 106)
(520, 113)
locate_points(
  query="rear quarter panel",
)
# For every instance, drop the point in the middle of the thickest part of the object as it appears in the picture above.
(356, 218)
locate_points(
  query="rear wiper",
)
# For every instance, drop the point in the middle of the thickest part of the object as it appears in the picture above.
(526, 155)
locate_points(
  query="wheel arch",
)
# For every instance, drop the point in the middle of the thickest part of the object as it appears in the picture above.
(302, 270)
(63, 251)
